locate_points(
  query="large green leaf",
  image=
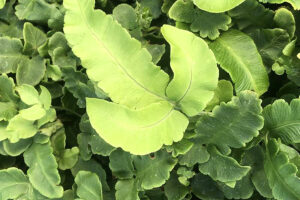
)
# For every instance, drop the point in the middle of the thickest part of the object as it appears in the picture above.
(13, 184)
(88, 186)
(217, 6)
(139, 131)
(114, 58)
(283, 120)
(232, 124)
(281, 173)
(238, 55)
(195, 73)
(33, 38)
(42, 172)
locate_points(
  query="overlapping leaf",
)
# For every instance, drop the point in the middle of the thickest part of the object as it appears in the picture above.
(137, 131)
(139, 81)
(238, 55)
(192, 87)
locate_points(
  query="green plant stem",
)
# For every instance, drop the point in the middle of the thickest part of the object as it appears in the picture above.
(66, 109)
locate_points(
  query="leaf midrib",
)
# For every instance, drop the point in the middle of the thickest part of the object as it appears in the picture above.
(244, 66)
(285, 124)
(114, 58)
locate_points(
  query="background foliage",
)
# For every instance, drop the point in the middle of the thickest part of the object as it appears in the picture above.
(233, 134)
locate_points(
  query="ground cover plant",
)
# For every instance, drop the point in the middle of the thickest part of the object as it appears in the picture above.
(149, 99)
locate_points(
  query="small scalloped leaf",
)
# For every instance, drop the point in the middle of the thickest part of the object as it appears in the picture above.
(207, 24)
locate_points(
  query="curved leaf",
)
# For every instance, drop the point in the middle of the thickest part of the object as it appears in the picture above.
(13, 184)
(88, 186)
(126, 190)
(42, 172)
(217, 6)
(232, 124)
(139, 131)
(238, 55)
(2, 3)
(195, 73)
(283, 120)
(114, 59)
(281, 174)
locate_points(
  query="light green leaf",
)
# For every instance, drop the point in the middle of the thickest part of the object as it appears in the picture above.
(223, 168)
(238, 55)
(7, 110)
(284, 19)
(13, 184)
(195, 73)
(223, 93)
(126, 190)
(11, 54)
(88, 186)
(7, 92)
(33, 38)
(139, 81)
(15, 149)
(28, 94)
(42, 172)
(31, 72)
(281, 173)
(2, 3)
(139, 131)
(45, 97)
(294, 3)
(283, 120)
(68, 158)
(147, 175)
(20, 128)
(121, 164)
(232, 124)
(33, 113)
(217, 6)
(208, 24)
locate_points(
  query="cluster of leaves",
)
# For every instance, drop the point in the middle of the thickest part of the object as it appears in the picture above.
(87, 113)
